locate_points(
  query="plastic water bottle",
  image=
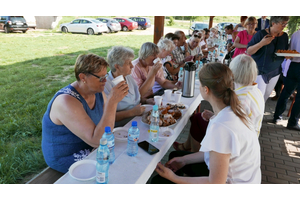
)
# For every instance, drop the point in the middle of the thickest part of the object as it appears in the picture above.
(198, 69)
(133, 139)
(102, 165)
(154, 126)
(214, 56)
(110, 143)
(180, 74)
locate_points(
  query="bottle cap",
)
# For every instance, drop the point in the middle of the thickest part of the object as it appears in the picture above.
(107, 129)
(155, 107)
(103, 141)
(134, 123)
(181, 68)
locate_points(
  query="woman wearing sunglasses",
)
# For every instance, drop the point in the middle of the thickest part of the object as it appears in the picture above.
(119, 59)
(194, 48)
(74, 121)
(263, 47)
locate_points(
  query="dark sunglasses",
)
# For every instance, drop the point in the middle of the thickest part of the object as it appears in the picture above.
(197, 36)
(101, 79)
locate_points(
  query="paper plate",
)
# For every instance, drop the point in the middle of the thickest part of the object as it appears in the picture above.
(144, 120)
(83, 170)
(120, 133)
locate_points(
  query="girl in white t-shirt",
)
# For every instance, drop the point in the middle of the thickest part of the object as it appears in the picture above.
(230, 148)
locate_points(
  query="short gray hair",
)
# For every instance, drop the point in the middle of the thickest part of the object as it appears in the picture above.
(166, 44)
(244, 69)
(148, 49)
(117, 55)
(278, 19)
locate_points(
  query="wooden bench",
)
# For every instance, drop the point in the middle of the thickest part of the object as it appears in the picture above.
(47, 176)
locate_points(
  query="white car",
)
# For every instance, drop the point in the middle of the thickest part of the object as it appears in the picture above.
(84, 25)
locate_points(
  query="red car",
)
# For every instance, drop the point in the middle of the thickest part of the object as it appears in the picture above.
(127, 24)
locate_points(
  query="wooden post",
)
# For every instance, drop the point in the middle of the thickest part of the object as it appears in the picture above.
(211, 19)
(159, 22)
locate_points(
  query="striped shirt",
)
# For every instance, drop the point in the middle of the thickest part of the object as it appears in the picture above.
(253, 103)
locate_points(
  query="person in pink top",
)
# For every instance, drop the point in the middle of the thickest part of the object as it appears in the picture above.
(146, 71)
(243, 37)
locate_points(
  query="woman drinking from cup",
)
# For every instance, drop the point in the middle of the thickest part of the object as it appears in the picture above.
(146, 70)
(74, 121)
(119, 59)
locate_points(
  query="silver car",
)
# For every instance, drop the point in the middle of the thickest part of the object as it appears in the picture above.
(112, 24)
(84, 25)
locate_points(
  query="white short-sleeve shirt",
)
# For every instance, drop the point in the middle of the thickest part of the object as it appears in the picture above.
(227, 134)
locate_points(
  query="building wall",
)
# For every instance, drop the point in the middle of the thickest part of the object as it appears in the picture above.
(47, 22)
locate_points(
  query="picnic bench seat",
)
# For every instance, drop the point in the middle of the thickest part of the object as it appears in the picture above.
(47, 176)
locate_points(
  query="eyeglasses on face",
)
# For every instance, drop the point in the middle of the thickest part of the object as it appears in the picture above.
(252, 24)
(101, 79)
(283, 24)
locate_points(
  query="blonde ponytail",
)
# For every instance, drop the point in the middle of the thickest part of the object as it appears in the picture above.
(219, 79)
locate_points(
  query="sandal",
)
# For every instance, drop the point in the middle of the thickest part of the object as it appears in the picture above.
(176, 146)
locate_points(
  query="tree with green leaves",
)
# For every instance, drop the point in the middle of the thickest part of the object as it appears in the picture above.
(293, 24)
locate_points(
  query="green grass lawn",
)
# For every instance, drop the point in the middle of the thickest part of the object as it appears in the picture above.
(33, 67)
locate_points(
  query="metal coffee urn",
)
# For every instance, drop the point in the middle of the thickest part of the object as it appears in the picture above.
(189, 79)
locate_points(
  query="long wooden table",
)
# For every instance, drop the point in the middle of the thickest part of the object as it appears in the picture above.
(129, 170)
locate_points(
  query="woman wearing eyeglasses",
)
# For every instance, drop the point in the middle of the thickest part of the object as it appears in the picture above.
(74, 121)
(244, 37)
(119, 59)
(263, 47)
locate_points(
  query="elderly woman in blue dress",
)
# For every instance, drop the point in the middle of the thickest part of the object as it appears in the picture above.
(119, 59)
(74, 121)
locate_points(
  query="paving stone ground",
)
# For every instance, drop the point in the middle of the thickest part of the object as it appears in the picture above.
(280, 149)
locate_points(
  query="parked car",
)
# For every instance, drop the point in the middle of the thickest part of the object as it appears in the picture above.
(112, 24)
(127, 24)
(197, 26)
(84, 25)
(221, 26)
(143, 23)
(13, 23)
(31, 21)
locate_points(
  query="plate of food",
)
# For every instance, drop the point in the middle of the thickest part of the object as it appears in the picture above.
(83, 170)
(181, 106)
(167, 117)
(120, 133)
(288, 53)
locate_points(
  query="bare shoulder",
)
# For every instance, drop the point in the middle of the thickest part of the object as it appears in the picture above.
(63, 106)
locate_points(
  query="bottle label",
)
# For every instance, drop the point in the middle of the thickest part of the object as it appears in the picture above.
(154, 133)
(100, 177)
(110, 144)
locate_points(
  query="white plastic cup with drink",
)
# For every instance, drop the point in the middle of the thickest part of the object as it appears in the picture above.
(158, 100)
(177, 96)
